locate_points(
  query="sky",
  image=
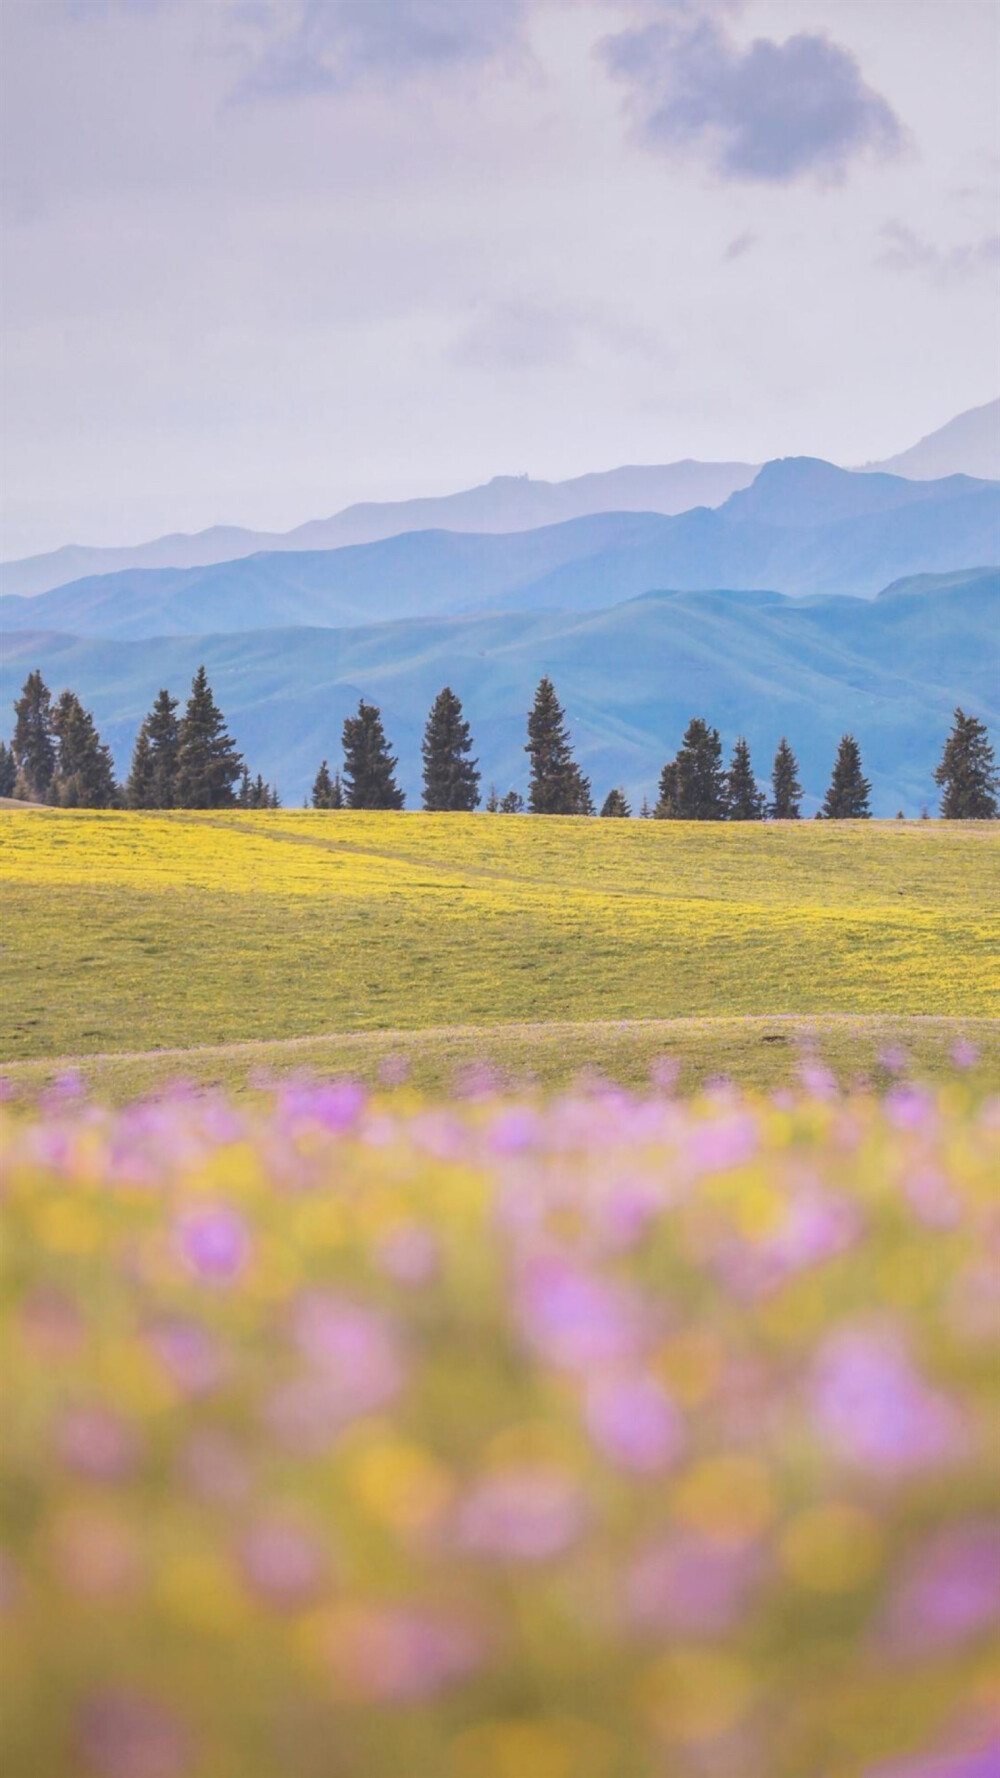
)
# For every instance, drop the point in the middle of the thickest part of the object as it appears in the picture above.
(262, 258)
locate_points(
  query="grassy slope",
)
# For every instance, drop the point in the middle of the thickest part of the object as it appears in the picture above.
(128, 933)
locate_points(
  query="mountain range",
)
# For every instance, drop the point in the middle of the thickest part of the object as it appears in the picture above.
(890, 669)
(802, 526)
(507, 503)
(967, 445)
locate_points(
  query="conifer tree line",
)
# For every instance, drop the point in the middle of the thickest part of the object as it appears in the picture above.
(189, 761)
(186, 761)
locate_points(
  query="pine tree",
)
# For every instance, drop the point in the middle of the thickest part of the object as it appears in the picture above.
(322, 788)
(84, 777)
(208, 764)
(152, 779)
(512, 803)
(33, 745)
(693, 785)
(847, 797)
(245, 791)
(451, 778)
(645, 813)
(616, 805)
(557, 785)
(8, 770)
(492, 803)
(967, 775)
(786, 791)
(744, 801)
(369, 767)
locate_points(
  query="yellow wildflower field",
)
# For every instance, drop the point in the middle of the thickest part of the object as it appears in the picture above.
(141, 931)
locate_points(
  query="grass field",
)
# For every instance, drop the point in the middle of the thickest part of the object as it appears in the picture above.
(126, 934)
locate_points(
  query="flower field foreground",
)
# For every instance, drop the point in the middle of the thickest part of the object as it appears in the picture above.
(591, 1437)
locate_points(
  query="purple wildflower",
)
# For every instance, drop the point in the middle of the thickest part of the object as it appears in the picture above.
(634, 1422)
(121, 1734)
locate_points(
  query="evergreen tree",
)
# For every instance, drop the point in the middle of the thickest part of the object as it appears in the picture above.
(557, 785)
(492, 803)
(369, 767)
(152, 779)
(967, 775)
(847, 797)
(616, 805)
(744, 801)
(451, 778)
(645, 813)
(8, 770)
(208, 764)
(786, 791)
(326, 791)
(512, 803)
(84, 777)
(245, 791)
(33, 745)
(693, 785)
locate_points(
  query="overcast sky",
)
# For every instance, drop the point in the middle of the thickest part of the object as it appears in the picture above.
(265, 257)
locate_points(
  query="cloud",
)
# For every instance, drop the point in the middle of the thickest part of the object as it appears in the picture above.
(743, 243)
(770, 112)
(332, 45)
(907, 251)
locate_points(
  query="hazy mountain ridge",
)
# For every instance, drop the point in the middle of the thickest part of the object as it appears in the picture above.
(804, 527)
(891, 669)
(507, 503)
(967, 445)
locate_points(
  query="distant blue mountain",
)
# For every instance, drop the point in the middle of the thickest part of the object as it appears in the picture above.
(803, 526)
(507, 503)
(756, 663)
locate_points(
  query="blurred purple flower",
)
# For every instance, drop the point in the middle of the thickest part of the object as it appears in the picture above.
(120, 1734)
(402, 1654)
(721, 1144)
(515, 1130)
(97, 1443)
(894, 1059)
(215, 1468)
(965, 1054)
(689, 1586)
(982, 1761)
(189, 1353)
(215, 1242)
(949, 1590)
(282, 1564)
(909, 1107)
(575, 1319)
(336, 1105)
(522, 1515)
(874, 1409)
(410, 1254)
(634, 1422)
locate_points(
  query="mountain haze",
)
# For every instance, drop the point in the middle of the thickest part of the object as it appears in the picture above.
(803, 527)
(967, 445)
(508, 503)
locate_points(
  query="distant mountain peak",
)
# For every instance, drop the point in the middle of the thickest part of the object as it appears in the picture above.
(967, 445)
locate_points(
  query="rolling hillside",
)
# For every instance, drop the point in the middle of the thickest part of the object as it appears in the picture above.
(804, 527)
(891, 669)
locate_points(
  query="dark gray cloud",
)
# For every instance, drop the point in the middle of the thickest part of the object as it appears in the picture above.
(327, 45)
(769, 112)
